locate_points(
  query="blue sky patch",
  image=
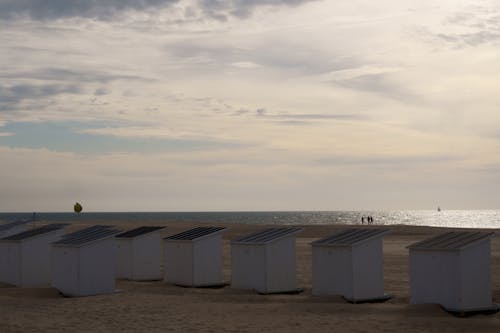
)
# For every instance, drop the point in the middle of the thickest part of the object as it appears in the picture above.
(68, 137)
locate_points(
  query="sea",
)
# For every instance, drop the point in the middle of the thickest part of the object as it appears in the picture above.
(445, 218)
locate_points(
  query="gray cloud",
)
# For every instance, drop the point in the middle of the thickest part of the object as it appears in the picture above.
(61, 74)
(470, 39)
(107, 9)
(298, 118)
(222, 9)
(51, 82)
(317, 116)
(207, 55)
(474, 26)
(381, 84)
(101, 91)
(389, 161)
(309, 119)
(54, 9)
(11, 96)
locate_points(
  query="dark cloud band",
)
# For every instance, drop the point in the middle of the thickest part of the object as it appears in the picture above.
(107, 9)
(54, 9)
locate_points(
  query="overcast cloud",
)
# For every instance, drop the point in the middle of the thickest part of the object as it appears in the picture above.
(56, 9)
(108, 9)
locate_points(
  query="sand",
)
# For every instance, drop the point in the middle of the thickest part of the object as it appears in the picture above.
(161, 307)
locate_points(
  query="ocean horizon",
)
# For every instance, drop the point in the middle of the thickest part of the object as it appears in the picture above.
(446, 218)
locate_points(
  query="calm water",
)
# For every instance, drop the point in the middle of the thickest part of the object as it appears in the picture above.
(445, 218)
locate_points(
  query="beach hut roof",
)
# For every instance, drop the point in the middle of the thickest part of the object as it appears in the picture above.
(350, 237)
(88, 235)
(35, 232)
(86, 231)
(451, 241)
(138, 232)
(195, 233)
(266, 236)
(9, 225)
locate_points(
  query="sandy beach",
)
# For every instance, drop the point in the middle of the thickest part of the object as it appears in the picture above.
(161, 307)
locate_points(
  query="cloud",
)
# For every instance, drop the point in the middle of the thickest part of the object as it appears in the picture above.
(11, 95)
(385, 84)
(101, 91)
(471, 26)
(399, 161)
(222, 9)
(63, 74)
(297, 118)
(108, 9)
(37, 90)
(257, 54)
(56, 9)
(245, 65)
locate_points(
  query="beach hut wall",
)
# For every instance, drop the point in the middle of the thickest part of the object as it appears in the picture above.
(452, 269)
(25, 257)
(265, 261)
(194, 258)
(349, 263)
(138, 254)
(13, 228)
(83, 262)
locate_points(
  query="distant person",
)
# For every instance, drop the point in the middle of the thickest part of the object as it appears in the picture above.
(362, 220)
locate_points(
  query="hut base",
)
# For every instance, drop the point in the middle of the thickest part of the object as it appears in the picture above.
(284, 292)
(487, 310)
(380, 299)
(69, 295)
(140, 280)
(208, 286)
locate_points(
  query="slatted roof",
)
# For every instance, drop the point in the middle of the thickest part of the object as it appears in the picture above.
(266, 236)
(350, 237)
(451, 241)
(195, 233)
(87, 235)
(9, 225)
(86, 231)
(34, 232)
(138, 232)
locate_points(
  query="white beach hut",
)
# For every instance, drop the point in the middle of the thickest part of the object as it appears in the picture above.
(452, 269)
(138, 254)
(83, 262)
(265, 261)
(13, 228)
(194, 258)
(25, 257)
(350, 263)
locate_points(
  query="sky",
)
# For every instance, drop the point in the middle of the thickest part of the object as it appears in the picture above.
(211, 105)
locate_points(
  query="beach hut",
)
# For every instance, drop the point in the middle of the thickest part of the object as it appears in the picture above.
(452, 269)
(349, 263)
(265, 261)
(13, 228)
(138, 254)
(25, 257)
(194, 258)
(83, 262)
